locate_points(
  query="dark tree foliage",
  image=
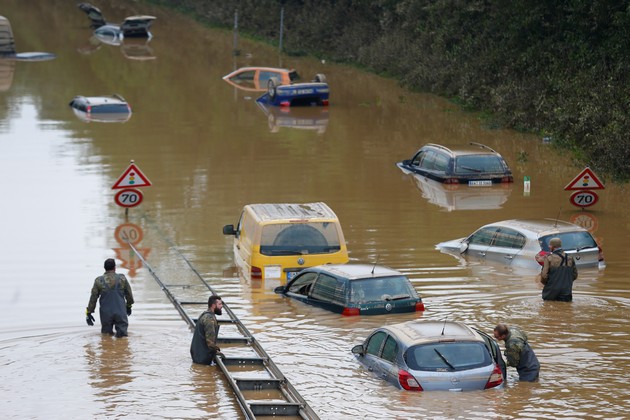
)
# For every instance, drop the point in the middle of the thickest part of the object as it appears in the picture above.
(555, 67)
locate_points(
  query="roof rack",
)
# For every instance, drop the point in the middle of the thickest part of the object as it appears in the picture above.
(483, 146)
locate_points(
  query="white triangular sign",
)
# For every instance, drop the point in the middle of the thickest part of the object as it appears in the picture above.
(132, 177)
(586, 180)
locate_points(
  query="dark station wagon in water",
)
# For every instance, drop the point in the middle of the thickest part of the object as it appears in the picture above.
(112, 108)
(474, 164)
(354, 289)
(433, 356)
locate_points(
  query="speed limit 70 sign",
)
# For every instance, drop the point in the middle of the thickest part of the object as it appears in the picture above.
(583, 198)
(128, 197)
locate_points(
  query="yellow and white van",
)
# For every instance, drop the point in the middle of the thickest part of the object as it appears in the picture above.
(276, 241)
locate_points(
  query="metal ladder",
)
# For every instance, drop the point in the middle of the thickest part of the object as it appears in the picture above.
(258, 384)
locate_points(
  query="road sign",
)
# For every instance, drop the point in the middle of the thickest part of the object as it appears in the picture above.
(132, 177)
(586, 180)
(128, 197)
(583, 198)
(128, 233)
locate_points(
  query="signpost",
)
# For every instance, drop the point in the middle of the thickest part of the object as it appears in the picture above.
(583, 184)
(130, 179)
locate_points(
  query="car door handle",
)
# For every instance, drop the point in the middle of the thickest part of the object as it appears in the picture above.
(508, 257)
(483, 254)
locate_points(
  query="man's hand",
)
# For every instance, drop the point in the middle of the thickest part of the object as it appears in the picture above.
(128, 310)
(89, 318)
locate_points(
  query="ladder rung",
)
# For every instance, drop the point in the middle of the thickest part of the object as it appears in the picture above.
(241, 340)
(231, 361)
(226, 321)
(275, 408)
(186, 302)
(257, 384)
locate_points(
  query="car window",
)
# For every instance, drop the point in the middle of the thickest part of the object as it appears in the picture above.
(299, 239)
(509, 238)
(244, 76)
(390, 349)
(376, 290)
(418, 158)
(570, 240)
(302, 284)
(483, 236)
(264, 76)
(329, 289)
(472, 164)
(375, 343)
(434, 161)
(454, 355)
(110, 108)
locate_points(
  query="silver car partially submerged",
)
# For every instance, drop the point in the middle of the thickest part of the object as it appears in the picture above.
(523, 242)
(433, 356)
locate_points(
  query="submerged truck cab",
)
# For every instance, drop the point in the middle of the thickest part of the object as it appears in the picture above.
(276, 241)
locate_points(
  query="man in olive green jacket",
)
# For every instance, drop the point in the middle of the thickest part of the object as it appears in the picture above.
(203, 347)
(558, 273)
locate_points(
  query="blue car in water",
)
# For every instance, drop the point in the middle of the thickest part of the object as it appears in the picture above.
(296, 94)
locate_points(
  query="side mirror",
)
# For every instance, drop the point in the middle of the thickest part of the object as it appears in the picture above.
(229, 230)
(463, 247)
(279, 290)
(358, 349)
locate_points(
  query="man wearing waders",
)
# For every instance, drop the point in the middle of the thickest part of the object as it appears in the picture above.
(518, 352)
(558, 273)
(203, 347)
(115, 301)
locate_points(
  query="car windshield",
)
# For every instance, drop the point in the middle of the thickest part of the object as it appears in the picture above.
(299, 239)
(570, 241)
(475, 164)
(448, 356)
(380, 289)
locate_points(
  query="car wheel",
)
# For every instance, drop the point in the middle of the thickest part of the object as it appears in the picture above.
(271, 87)
(320, 78)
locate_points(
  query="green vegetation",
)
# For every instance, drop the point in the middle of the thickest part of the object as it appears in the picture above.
(558, 68)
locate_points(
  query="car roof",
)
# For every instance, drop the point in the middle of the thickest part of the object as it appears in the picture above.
(252, 68)
(100, 100)
(539, 227)
(357, 271)
(419, 332)
(471, 148)
(292, 211)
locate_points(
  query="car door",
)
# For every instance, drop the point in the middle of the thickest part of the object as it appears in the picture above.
(480, 241)
(495, 351)
(328, 292)
(506, 245)
(373, 348)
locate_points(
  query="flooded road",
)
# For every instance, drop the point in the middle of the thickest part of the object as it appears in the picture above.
(208, 149)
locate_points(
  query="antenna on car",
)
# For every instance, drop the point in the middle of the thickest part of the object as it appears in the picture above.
(557, 217)
(375, 265)
(443, 326)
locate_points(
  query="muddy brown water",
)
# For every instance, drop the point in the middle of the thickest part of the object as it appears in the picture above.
(208, 149)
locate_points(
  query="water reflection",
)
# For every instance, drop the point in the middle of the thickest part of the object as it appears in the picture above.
(301, 118)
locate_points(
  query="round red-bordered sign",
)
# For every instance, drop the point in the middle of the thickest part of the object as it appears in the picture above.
(586, 220)
(128, 197)
(584, 198)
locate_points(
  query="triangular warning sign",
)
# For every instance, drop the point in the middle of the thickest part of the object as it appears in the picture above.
(586, 180)
(132, 177)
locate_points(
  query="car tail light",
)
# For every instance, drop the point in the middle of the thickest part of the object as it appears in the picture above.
(600, 255)
(496, 378)
(507, 178)
(419, 306)
(351, 311)
(408, 382)
(451, 181)
(324, 102)
(540, 257)
(89, 109)
(285, 103)
(256, 273)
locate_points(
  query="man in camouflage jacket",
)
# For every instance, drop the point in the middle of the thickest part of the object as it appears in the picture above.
(115, 301)
(203, 347)
(558, 273)
(518, 352)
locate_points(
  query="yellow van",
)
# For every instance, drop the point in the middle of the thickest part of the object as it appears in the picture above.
(276, 241)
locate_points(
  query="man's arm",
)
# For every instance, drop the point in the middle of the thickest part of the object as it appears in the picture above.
(513, 353)
(544, 274)
(94, 294)
(128, 292)
(210, 326)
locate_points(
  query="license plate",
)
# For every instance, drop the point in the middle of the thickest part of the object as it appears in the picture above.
(481, 183)
(304, 91)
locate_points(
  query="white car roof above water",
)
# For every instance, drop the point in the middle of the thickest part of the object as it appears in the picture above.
(418, 332)
(283, 211)
(540, 227)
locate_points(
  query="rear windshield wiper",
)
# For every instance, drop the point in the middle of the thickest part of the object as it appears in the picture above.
(468, 168)
(444, 359)
(285, 252)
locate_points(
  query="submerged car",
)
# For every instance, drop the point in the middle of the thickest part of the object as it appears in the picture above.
(354, 289)
(474, 164)
(522, 243)
(296, 94)
(433, 356)
(112, 108)
(256, 79)
(278, 240)
(7, 46)
(113, 33)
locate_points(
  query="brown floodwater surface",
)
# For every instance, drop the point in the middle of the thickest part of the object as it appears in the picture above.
(208, 149)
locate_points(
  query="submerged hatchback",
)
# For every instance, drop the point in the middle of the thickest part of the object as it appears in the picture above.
(522, 242)
(474, 164)
(433, 356)
(354, 289)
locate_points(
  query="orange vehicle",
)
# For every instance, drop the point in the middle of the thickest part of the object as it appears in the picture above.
(256, 79)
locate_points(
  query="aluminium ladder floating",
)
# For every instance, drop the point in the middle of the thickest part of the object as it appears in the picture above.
(258, 384)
